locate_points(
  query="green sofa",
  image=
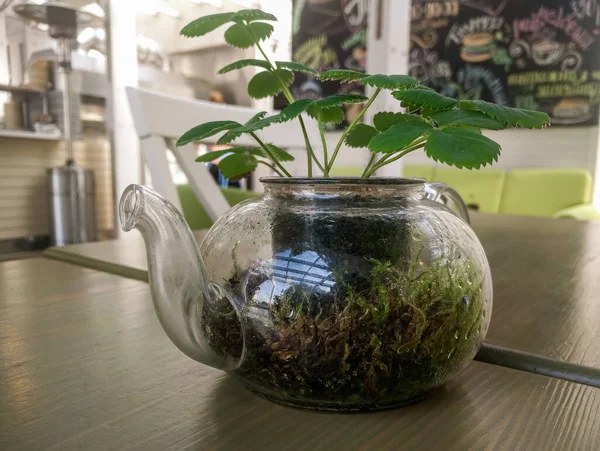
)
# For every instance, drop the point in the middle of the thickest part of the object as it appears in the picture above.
(547, 192)
(194, 212)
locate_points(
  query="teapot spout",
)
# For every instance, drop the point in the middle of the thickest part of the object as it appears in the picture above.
(180, 288)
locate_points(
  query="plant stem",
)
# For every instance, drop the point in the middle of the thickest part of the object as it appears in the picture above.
(273, 168)
(389, 159)
(351, 126)
(270, 154)
(290, 98)
(371, 161)
(324, 141)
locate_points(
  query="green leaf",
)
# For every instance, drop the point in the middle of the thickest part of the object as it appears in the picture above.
(333, 115)
(277, 152)
(211, 156)
(462, 148)
(383, 121)
(206, 24)
(242, 36)
(293, 110)
(342, 75)
(244, 63)
(510, 116)
(237, 165)
(234, 134)
(250, 15)
(295, 67)
(361, 135)
(266, 84)
(466, 117)
(400, 135)
(204, 131)
(415, 99)
(339, 99)
(398, 82)
(259, 125)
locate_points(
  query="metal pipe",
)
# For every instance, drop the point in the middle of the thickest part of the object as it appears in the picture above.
(64, 63)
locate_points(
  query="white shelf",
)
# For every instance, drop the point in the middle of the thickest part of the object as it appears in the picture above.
(26, 134)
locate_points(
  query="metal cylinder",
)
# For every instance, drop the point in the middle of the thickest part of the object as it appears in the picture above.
(72, 200)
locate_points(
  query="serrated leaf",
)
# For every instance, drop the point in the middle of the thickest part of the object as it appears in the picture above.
(461, 147)
(342, 75)
(266, 84)
(514, 117)
(277, 152)
(250, 15)
(400, 135)
(244, 63)
(466, 117)
(234, 134)
(415, 99)
(333, 115)
(211, 156)
(237, 165)
(259, 125)
(204, 131)
(243, 36)
(340, 99)
(296, 67)
(384, 120)
(293, 110)
(361, 135)
(206, 24)
(397, 82)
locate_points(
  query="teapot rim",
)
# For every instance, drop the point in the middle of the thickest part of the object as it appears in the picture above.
(342, 181)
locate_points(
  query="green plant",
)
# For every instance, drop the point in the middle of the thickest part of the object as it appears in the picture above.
(447, 129)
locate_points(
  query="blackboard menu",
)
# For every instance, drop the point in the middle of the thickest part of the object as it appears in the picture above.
(537, 54)
(329, 34)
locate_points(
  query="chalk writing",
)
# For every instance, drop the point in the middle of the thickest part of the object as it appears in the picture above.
(477, 24)
(539, 77)
(427, 40)
(434, 10)
(355, 13)
(591, 90)
(587, 9)
(486, 9)
(557, 18)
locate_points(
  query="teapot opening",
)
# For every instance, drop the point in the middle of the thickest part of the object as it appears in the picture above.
(131, 207)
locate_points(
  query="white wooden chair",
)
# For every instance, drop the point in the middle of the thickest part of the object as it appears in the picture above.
(160, 119)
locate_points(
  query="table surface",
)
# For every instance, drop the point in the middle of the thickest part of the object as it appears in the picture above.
(84, 364)
(546, 276)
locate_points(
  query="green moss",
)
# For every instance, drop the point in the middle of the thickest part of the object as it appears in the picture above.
(389, 341)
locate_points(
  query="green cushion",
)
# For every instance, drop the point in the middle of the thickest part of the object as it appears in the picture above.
(579, 212)
(543, 192)
(481, 189)
(346, 171)
(420, 171)
(194, 212)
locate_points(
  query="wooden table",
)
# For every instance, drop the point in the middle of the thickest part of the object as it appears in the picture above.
(85, 365)
(546, 281)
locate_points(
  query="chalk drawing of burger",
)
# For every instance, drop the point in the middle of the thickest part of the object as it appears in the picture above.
(571, 111)
(478, 47)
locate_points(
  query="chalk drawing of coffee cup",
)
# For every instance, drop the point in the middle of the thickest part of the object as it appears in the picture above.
(545, 53)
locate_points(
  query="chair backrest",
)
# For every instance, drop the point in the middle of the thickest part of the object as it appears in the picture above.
(194, 212)
(543, 192)
(160, 119)
(479, 189)
(419, 170)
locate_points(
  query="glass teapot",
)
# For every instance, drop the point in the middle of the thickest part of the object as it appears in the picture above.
(332, 294)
